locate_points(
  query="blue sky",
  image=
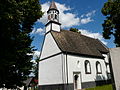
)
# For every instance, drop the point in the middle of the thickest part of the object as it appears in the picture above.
(82, 14)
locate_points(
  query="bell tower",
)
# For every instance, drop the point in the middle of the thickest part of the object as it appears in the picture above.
(53, 18)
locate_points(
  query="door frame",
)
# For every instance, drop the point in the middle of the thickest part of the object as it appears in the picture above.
(80, 80)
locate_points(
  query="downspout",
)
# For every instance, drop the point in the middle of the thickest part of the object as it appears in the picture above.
(67, 71)
(63, 71)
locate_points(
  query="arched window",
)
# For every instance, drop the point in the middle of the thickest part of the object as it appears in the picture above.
(87, 67)
(98, 68)
(55, 16)
(51, 15)
(108, 68)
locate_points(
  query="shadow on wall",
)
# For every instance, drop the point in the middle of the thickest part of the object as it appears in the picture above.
(101, 80)
(99, 77)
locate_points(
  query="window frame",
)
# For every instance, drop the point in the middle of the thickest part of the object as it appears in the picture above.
(56, 17)
(86, 63)
(108, 66)
(98, 64)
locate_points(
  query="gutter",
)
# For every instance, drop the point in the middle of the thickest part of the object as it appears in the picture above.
(67, 68)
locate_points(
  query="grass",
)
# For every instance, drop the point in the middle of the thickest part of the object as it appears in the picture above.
(105, 87)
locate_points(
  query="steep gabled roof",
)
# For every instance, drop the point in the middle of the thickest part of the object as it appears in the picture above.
(72, 42)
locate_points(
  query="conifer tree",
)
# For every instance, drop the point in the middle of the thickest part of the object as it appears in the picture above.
(16, 20)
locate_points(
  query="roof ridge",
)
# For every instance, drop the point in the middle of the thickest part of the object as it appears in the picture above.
(80, 34)
(88, 37)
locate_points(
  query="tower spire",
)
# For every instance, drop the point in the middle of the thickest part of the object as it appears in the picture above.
(53, 17)
(53, 5)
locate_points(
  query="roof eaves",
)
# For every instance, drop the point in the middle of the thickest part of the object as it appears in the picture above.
(85, 55)
(103, 44)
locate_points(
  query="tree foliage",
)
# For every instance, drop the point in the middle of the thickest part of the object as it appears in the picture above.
(16, 20)
(111, 25)
(36, 68)
(74, 30)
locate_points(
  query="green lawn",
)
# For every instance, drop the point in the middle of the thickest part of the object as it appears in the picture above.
(105, 87)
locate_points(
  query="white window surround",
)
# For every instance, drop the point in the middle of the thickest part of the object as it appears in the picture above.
(87, 67)
(108, 68)
(98, 68)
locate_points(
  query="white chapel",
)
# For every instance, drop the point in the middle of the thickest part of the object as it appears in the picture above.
(70, 60)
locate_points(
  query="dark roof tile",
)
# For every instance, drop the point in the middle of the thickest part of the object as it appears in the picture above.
(76, 43)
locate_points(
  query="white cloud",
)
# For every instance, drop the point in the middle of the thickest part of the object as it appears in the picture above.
(36, 54)
(38, 31)
(89, 14)
(45, 7)
(67, 19)
(86, 18)
(93, 35)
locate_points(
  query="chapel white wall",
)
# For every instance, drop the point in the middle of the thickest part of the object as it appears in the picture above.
(115, 61)
(73, 67)
(49, 47)
(107, 61)
(106, 58)
(55, 27)
(50, 71)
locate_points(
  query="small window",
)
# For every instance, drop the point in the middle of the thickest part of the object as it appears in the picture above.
(51, 15)
(108, 68)
(98, 68)
(87, 67)
(55, 16)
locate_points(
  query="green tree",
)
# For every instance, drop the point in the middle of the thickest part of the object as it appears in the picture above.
(16, 20)
(74, 30)
(111, 25)
(36, 67)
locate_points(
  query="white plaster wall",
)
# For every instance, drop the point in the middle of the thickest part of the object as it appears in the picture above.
(74, 67)
(107, 61)
(50, 71)
(49, 47)
(55, 27)
(106, 58)
(115, 61)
